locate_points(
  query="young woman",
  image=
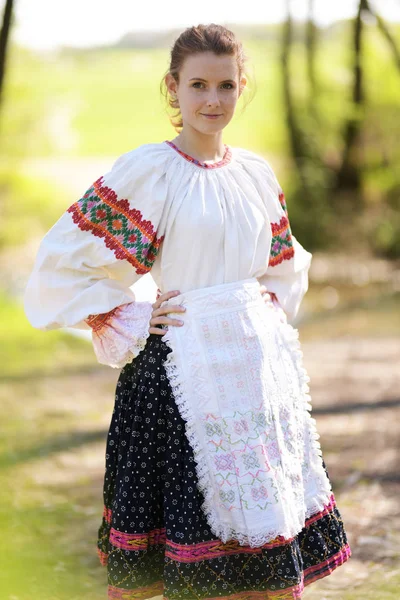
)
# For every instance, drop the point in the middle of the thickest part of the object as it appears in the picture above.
(215, 485)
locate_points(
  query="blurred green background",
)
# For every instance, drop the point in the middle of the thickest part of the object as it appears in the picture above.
(327, 116)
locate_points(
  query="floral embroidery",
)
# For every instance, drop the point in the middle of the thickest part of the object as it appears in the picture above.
(123, 228)
(282, 243)
(224, 161)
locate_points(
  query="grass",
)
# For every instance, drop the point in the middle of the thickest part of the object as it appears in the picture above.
(48, 542)
(30, 205)
(51, 503)
(25, 350)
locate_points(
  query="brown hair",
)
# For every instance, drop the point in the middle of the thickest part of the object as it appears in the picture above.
(196, 39)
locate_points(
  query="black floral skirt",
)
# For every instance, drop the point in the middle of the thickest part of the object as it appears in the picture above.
(154, 538)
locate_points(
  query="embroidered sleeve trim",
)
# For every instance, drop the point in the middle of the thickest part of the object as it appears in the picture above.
(282, 242)
(98, 322)
(282, 200)
(123, 228)
(119, 335)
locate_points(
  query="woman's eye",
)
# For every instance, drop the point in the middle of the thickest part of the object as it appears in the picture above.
(201, 83)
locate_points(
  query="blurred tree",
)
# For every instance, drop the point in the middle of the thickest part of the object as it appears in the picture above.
(4, 37)
(310, 199)
(296, 136)
(325, 189)
(349, 175)
(311, 46)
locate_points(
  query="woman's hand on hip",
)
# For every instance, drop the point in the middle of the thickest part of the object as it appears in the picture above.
(272, 301)
(158, 316)
(267, 297)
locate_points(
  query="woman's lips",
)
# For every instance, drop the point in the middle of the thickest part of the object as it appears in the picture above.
(211, 116)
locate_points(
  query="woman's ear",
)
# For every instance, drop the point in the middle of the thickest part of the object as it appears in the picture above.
(171, 84)
(243, 83)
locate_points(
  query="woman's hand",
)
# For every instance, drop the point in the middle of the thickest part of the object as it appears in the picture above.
(272, 301)
(266, 295)
(157, 316)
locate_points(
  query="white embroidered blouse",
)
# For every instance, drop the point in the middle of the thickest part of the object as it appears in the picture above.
(192, 224)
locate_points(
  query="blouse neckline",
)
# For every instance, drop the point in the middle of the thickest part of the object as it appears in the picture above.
(224, 161)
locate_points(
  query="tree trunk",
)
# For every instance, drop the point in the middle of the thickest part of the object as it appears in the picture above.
(348, 178)
(4, 37)
(311, 45)
(295, 136)
(386, 33)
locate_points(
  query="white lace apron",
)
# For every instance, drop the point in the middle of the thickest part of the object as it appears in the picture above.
(236, 373)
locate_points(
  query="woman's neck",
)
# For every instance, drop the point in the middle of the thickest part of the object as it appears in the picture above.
(208, 149)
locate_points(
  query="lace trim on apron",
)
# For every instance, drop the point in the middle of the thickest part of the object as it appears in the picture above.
(236, 373)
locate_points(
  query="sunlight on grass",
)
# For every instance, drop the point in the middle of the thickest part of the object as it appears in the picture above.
(24, 349)
(30, 205)
(50, 507)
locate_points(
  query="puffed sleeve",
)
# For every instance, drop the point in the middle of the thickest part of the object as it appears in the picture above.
(102, 244)
(288, 262)
(286, 277)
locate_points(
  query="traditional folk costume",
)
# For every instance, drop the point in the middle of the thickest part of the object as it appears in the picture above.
(215, 484)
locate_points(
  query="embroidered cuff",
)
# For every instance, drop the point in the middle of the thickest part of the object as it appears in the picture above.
(119, 335)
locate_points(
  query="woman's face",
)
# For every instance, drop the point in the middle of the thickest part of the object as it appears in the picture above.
(208, 86)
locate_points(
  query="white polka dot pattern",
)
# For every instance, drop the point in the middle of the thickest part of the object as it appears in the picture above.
(154, 538)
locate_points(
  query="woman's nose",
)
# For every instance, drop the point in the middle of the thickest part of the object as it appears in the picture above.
(213, 98)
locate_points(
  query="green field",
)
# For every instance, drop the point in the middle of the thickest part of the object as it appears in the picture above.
(106, 102)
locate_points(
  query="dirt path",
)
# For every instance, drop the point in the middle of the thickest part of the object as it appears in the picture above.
(356, 402)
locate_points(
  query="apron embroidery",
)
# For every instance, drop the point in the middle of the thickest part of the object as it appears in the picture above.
(237, 377)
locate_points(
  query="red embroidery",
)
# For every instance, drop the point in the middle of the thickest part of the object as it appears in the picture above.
(123, 228)
(97, 322)
(282, 243)
(107, 514)
(137, 541)
(225, 160)
(103, 557)
(282, 200)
